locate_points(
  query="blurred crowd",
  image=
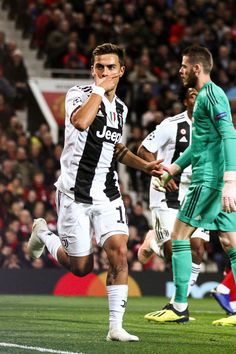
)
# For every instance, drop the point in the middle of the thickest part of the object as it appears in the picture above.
(64, 33)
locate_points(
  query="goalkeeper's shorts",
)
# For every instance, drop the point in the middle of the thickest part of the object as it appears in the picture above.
(163, 219)
(202, 207)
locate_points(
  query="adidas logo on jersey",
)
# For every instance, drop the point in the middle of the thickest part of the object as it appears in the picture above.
(198, 217)
(183, 140)
(108, 134)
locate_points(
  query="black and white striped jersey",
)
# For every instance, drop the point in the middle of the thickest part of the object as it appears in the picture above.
(168, 141)
(88, 163)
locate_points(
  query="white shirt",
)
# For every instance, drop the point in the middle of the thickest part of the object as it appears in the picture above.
(88, 163)
(168, 141)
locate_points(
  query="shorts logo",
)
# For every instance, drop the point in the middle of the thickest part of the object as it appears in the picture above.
(124, 304)
(220, 115)
(65, 242)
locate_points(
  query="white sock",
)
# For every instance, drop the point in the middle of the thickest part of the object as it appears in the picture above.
(194, 275)
(222, 289)
(51, 241)
(154, 246)
(192, 281)
(117, 300)
(180, 306)
(233, 305)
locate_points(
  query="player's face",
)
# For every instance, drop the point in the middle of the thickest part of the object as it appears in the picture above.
(187, 73)
(107, 65)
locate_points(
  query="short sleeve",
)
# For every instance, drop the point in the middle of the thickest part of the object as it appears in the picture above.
(158, 137)
(74, 99)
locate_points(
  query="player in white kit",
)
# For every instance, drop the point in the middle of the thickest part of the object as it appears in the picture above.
(88, 194)
(167, 142)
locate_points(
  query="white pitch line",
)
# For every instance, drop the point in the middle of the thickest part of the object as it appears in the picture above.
(39, 349)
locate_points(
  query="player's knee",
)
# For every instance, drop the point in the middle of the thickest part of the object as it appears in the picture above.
(226, 245)
(120, 258)
(122, 253)
(80, 272)
(225, 242)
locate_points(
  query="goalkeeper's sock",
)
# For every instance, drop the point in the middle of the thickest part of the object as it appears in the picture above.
(192, 281)
(232, 257)
(117, 300)
(182, 266)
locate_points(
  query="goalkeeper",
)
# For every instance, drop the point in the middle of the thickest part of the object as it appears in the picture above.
(168, 141)
(210, 202)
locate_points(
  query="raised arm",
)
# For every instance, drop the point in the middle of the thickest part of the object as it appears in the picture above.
(84, 116)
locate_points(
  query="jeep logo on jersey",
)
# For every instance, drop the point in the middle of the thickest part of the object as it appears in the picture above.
(110, 135)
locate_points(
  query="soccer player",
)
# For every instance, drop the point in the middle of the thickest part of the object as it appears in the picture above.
(88, 194)
(210, 202)
(225, 293)
(168, 141)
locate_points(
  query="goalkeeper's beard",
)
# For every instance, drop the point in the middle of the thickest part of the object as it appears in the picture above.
(192, 80)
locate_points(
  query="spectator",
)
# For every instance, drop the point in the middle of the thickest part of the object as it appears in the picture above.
(56, 44)
(6, 112)
(7, 173)
(73, 59)
(6, 89)
(16, 72)
(139, 220)
(23, 167)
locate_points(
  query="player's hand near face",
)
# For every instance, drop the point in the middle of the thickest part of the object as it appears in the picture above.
(108, 82)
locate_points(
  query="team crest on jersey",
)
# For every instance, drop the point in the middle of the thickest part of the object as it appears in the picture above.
(220, 115)
(112, 117)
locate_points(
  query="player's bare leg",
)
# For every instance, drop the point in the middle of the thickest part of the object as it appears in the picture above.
(117, 287)
(42, 237)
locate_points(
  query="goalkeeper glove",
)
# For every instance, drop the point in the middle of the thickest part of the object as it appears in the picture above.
(160, 183)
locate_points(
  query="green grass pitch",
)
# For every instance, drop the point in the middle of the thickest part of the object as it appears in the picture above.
(79, 325)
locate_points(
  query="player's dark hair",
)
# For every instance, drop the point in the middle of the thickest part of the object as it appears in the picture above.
(109, 48)
(198, 54)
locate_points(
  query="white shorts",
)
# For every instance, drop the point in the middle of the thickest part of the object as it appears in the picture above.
(163, 219)
(78, 222)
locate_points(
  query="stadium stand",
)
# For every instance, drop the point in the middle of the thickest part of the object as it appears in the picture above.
(63, 34)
